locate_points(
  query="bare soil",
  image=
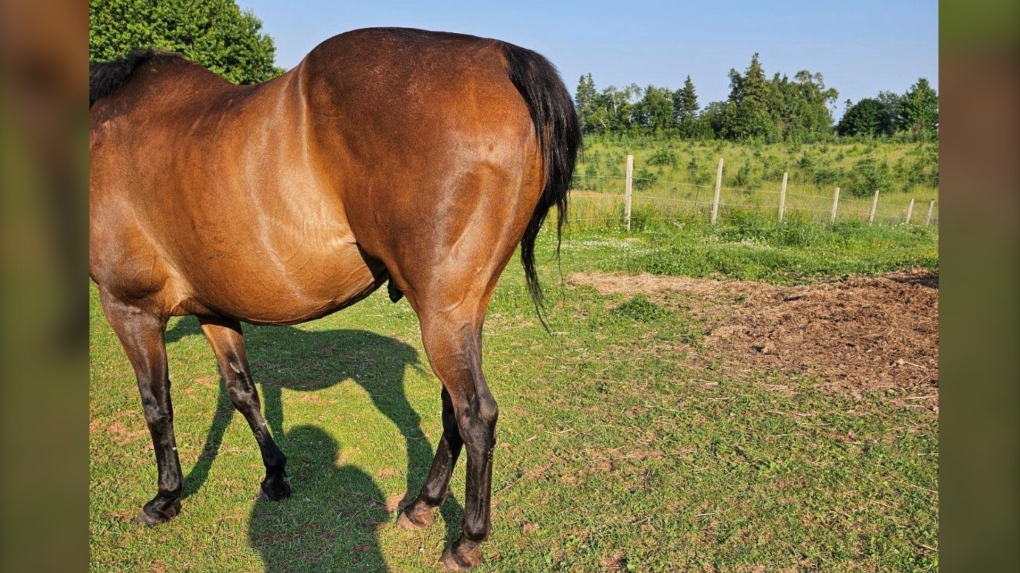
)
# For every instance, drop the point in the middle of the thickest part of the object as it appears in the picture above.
(854, 334)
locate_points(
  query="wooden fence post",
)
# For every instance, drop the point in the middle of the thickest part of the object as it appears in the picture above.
(910, 211)
(931, 209)
(629, 188)
(718, 188)
(835, 205)
(874, 206)
(782, 197)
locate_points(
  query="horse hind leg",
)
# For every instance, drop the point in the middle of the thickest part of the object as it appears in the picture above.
(141, 334)
(454, 349)
(224, 335)
(420, 512)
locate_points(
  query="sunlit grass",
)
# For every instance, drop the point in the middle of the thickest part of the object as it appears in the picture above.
(612, 452)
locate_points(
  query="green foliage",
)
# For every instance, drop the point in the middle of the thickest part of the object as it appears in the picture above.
(797, 110)
(685, 104)
(752, 104)
(664, 156)
(714, 115)
(644, 178)
(745, 177)
(777, 109)
(868, 175)
(214, 33)
(655, 110)
(803, 105)
(892, 105)
(697, 173)
(919, 109)
(866, 118)
(585, 101)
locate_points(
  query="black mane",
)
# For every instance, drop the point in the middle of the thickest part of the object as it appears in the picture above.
(107, 78)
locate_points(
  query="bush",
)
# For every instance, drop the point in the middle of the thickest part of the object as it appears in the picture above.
(867, 175)
(665, 156)
(644, 178)
(746, 178)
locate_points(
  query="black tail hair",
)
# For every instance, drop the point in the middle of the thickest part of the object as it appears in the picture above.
(559, 134)
(107, 78)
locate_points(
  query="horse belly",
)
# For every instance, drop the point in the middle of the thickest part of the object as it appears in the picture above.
(276, 290)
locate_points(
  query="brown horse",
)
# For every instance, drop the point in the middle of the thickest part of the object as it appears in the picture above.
(415, 157)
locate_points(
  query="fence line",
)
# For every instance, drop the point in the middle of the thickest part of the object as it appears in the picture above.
(726, 198)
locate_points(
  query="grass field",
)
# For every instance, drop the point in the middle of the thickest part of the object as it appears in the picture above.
(612, 453)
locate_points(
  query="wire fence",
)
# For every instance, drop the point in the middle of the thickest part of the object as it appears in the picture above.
(602, 202)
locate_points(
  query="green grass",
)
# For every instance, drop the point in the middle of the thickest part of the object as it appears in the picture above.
(749, 246)
(612, 450)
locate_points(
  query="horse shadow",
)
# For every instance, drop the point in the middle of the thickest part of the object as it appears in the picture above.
(331, 523)
(321, 360)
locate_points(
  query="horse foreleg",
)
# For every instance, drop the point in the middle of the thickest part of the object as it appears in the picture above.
(421, 512)
(141, 334)
(227, 342)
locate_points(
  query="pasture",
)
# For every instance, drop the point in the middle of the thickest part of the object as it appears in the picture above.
(661, 426)
(674, 179)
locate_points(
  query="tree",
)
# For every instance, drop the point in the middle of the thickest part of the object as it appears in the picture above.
(865, 118)
(655, 110)
(802, 105)
(892, 105)
(752, 98)
(919, 109)
(214, 33)
(714, 116)
(615, 108)
(585, 102)
(685, 103)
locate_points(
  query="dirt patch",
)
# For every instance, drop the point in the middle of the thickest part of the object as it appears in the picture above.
(856, 333)
(122, 436)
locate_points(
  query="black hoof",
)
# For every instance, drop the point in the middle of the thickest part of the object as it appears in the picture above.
(275, 488)
(151, 516)
(416, 516)
(462, 556)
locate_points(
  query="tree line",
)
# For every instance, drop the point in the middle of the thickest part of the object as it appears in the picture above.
(776, 109)
(230, 42)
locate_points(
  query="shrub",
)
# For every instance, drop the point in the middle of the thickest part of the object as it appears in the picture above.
(665, 156)
(867, 175)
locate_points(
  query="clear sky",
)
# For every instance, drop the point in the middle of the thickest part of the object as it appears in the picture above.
(860, 46)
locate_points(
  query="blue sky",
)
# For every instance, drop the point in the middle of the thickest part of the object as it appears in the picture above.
(860, 46)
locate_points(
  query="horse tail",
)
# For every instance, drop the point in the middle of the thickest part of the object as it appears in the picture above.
(559, 135)
(107, 78)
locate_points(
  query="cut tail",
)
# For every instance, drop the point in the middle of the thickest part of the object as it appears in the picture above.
(559, 134)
